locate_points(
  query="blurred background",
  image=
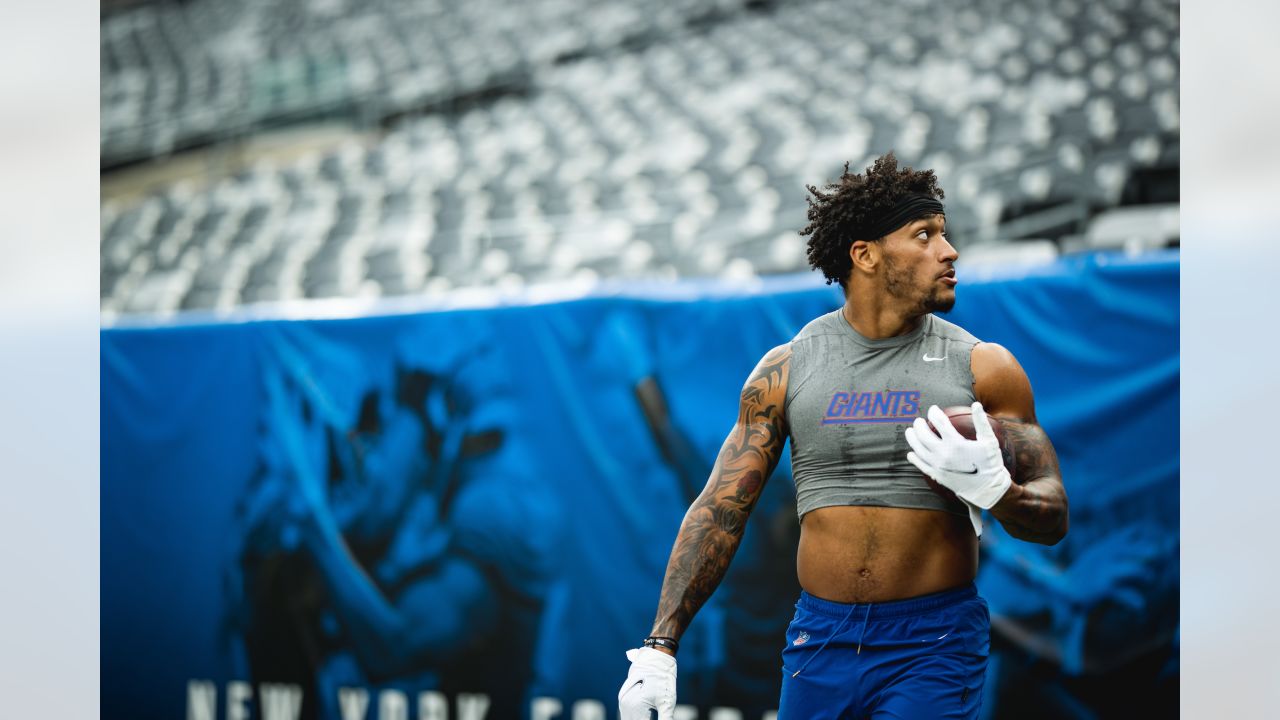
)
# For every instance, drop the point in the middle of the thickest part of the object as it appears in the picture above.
(459, 497)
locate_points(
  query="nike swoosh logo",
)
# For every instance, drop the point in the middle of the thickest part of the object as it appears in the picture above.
(934, 359)
(633, 686)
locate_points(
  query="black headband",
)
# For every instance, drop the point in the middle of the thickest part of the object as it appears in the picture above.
(908, 208)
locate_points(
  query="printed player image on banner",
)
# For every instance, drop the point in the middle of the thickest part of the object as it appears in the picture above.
(397, 534)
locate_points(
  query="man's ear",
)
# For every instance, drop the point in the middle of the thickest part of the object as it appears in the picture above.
(865, 255)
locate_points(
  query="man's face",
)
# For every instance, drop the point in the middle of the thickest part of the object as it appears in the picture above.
(918, 268)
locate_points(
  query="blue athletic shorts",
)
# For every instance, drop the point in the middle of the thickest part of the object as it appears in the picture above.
(925, 657)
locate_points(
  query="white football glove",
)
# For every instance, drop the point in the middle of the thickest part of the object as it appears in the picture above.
(651, 683)
(972, 469)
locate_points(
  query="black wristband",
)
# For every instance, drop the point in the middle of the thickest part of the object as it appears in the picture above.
(666, 642)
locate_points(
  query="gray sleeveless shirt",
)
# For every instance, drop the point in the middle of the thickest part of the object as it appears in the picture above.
(849, 398)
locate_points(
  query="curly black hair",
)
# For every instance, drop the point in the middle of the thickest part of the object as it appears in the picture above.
(851, 204)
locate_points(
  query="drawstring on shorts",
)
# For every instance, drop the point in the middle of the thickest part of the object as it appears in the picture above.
(863, 634)
(835, 632)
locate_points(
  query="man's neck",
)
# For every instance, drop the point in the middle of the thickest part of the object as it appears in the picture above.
(877, 320)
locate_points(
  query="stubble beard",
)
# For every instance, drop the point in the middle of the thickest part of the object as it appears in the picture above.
(898, 283)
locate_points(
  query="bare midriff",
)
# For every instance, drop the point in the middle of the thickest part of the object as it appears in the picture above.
(854, 554)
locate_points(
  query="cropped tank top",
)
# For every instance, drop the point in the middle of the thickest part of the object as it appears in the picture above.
(849, 399)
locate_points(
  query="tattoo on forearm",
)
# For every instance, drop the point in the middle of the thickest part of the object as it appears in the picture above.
(1040, 515)
(1033, 453)
(714, 524)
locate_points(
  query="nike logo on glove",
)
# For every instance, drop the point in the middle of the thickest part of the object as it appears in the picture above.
(633, 686)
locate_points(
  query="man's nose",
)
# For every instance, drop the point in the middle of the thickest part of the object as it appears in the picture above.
(949, 252)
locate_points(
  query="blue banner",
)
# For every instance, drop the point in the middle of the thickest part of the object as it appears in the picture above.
(467, 513)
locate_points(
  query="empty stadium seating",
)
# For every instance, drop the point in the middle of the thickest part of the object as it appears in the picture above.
(618, 141)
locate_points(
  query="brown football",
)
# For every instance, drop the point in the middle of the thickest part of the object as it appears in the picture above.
(962, 418)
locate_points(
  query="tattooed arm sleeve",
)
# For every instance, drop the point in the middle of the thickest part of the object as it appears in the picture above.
(714, 524)
(1035, 507)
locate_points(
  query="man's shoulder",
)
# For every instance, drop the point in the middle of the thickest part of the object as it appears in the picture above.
(825, 324)
(945, 328)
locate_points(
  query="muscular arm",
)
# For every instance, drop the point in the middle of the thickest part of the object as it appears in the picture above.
(714, 524)
(1035, 507)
